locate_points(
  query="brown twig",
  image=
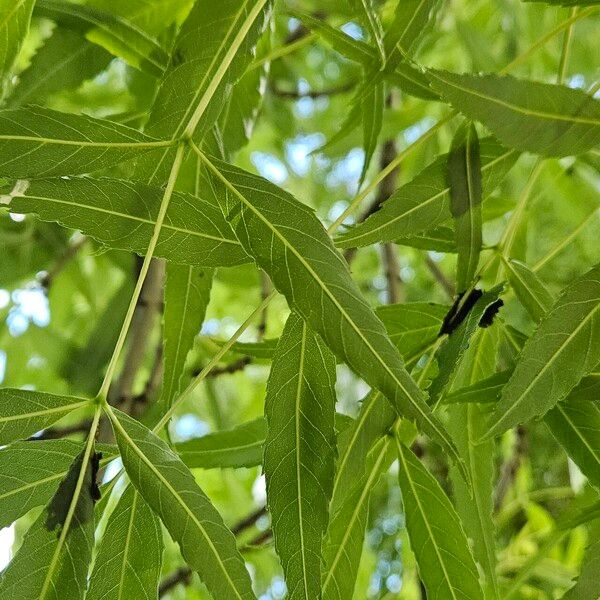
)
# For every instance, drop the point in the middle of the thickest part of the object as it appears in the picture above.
(183, 576)
(297, 95)
(510, 467)
(446, 284)
(233, 367)
(55, 433)
(392, 274)
(47, 279)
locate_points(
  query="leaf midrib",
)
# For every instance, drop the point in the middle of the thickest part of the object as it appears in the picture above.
(47, 411)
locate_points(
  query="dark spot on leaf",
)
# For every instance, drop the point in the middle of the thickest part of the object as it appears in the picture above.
(490, 312)
(459, 310)
(94, 489)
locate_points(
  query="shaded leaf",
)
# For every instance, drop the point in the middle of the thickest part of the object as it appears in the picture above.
(529, 289)
(464, 179)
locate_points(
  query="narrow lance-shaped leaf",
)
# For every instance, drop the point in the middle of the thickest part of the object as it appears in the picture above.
(213, 48)
(122, 214)
(39, 142)
(288, 242)
(14, 25)
(372, 105)
(115, 34)
(370, 18)
(548, 119)
(424, 202)
(574, 422)
(241, 446)
(345, 535)
(299, 453)
(446, 565)
(564, 348)
(588, 582)
(464, 180)
(64, 62)
(466, 424)
(24, 412)
(129, 559)
(53, 561)
(171, 490)
(187, 294)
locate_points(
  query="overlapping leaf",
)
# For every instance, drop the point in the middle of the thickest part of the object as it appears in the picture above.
(288, 242)
(424, 202)
(122, 214)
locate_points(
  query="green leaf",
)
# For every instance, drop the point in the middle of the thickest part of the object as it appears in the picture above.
(299, 453)
(369, 17)
(122, 214)
(53, 560)
(446, 565)
(187, 294)
(171, 490)
(14, 25)
(575, 423)
(213, 48)
(39, 142)
(466, 423)
(24, 412)
(464, 180)
(564, 348)
(344, 542)
(241, 446)
(287, 240)
(129, 559)
(424, 202)
(116, 35)
(404, 75)
(64, 62)
(371, 106)
(30, 473)
(484, 391)
(529, 289)
(567, 2)
(588, 583)
(547, 119)
(454, 348)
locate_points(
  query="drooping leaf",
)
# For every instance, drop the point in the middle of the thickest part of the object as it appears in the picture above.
(14, 25)
(547, 119)
(118, 36)
(446, 565)
(464, 181)
(241, 446)
(529, 289)
(299, 453)
(64, 62)
(53, 560)
(467, 423)
(129, 558)
(288, 242)
(39, 142)
(187, 294)
(564, 348)
(122, 214)
(344, 542)
(213, 48)
(171, 490)
(424, 202)
(25, 412)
